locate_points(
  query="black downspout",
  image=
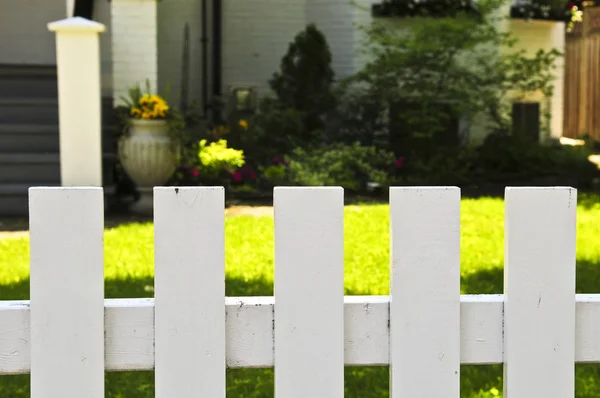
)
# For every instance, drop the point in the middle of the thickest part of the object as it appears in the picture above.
(204, 40)
(84, 9)
(217, 47)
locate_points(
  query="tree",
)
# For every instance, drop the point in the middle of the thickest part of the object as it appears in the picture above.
(452, 62)
(305, 78)
(294, 116)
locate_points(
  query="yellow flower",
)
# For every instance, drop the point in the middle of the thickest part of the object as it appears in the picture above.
(145, 99)
(150, 106)
(243, 124)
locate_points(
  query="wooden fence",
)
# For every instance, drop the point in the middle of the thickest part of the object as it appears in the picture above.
(68, 334)
(582, 77)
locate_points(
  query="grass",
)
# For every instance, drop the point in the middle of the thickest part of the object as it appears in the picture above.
(249, 257)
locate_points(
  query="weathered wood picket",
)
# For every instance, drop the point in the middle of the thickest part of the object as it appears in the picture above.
(68, 334)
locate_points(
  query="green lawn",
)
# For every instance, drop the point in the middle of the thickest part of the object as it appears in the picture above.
(249, 255)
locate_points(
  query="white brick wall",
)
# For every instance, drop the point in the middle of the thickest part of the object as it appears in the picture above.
(256, 34)
(134, 45)
(335, 18)
(24, 35)
(172, 17)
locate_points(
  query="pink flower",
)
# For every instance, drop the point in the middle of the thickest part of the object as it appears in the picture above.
(276, 160)
(400, 161)
(571, 5)
(195, 173)
(237, 176)
(251, 175)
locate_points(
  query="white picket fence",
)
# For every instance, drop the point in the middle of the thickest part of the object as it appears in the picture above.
(68, 334)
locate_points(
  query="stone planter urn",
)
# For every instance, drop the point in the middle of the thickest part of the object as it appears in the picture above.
(149, 158)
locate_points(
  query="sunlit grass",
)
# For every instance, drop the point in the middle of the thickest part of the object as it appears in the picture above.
(249, 270)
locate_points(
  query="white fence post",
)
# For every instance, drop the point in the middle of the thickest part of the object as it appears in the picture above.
(67, 292)
(79, 101)
(539, 292)
(189, 246)
(425, 292)
(309, 292)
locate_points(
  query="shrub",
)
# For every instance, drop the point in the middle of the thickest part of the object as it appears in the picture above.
(305, 78)
(349, 166)
(216, 158)
(274, 131)
(503, 154)
(503, 159)
(275, 174)
(294, 116)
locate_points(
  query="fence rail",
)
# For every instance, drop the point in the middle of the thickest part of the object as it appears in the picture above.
(68, 334)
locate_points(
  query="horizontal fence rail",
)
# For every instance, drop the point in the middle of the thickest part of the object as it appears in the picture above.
(129, 332)
(68, 334)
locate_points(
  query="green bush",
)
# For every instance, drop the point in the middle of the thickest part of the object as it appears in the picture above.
(502, 159)
(216, 158)
(275, 174)
(295, 114)
(305, 78)
(348, 166)
(275, 131)
(504, 156)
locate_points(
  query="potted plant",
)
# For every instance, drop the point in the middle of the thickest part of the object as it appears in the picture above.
(149, 149)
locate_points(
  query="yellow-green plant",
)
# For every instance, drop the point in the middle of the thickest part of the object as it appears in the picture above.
(216, 157)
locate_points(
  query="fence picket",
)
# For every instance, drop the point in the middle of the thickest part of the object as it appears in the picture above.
(425, 292)
(539, 292)
(309, 292)
(189, 292)
(67, 292)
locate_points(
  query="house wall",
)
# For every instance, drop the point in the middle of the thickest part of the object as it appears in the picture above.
(24, 35)
(256, 34)
(545, 35)
(173, 15)
(134, 45)
(335, 18)
(102, 15)
(533, 36)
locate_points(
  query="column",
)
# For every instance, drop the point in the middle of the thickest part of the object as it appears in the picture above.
(79, 100)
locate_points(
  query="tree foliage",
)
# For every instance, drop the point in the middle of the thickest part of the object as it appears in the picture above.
(305, 77)
(419, 65)
(294, 116)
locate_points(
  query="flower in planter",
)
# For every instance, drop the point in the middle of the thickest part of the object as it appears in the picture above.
(145, 105)
(150, 107)
(243, 124)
